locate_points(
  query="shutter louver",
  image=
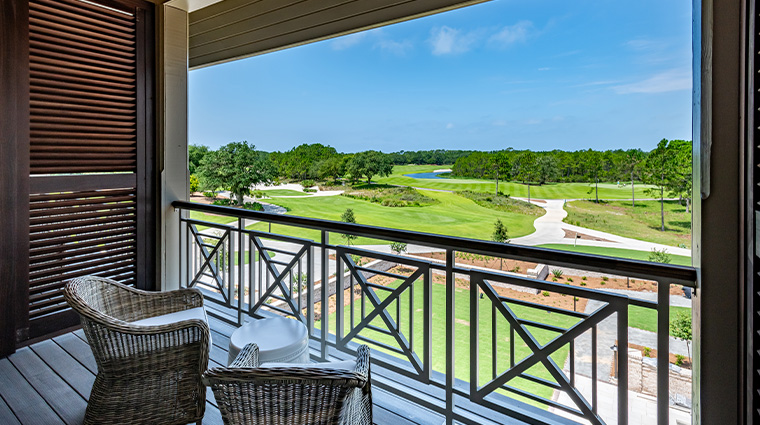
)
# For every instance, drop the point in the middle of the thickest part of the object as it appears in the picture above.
(88, 151)
(83, 88)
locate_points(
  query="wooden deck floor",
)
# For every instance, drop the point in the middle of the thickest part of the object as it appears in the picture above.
(49, 383)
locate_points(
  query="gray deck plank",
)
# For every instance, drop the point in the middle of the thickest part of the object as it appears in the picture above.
(78, 349)
(28, 406)
(76, 375)
(66, 402)
(6, 415)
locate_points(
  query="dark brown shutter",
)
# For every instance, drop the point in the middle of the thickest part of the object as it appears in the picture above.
(89, 137)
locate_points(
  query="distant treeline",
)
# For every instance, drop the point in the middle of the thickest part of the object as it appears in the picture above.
(668, 166)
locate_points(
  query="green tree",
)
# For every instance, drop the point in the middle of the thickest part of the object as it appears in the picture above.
(658, 170)
(547, 168)
(631, 164)
(369, 164)
(298, 163)
(195, 154)
(680, 327)
(594, 166)
(348, 217)
(501, 165)
(236, 167)
(500, 235)
(680, 183)
(525, 168)
(331, 167)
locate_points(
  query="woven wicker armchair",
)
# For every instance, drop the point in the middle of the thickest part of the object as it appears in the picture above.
(146, 374)
(249, 394)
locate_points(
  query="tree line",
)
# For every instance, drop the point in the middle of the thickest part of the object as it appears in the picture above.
(238, 166)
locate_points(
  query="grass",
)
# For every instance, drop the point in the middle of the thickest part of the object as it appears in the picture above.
(646, 318)
(616, 252)
(641, 222)
(462, 335)
(502, 203)
(547, 191)
(450, 215)
(283, 192)
(391, 197)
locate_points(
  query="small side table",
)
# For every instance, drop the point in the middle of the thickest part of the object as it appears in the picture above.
(280, 340)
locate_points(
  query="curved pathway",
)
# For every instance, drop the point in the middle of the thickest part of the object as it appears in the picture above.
(550, 229)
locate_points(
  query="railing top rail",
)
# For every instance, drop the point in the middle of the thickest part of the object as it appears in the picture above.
(667, 273)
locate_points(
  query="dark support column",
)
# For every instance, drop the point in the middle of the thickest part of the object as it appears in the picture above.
(718, 237)
(14, 173)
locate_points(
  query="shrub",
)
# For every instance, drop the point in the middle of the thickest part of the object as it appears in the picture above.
(254, 206)
(516, 269)
(307, 183)
(259, 194)
(308, 190)
(398, 247)
(680, 359)
(557, 273)
(583, 277)
(605, 278)
(210, 194)
(569, 279)
(195, 183)
(657, 256)
(647, 352)
(554, 279)
(583, 283)
(223, 202)
(545, 293)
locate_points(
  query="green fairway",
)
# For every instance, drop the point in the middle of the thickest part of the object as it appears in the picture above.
(462, 335)
(646, 318)
(642, 222)
(616, 252)
(452, 215)
(284, 192)
(546, 191)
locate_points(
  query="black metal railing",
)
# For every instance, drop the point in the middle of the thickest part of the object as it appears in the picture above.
(519, 350)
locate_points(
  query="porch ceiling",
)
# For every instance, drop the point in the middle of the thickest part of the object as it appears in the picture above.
(237, 29)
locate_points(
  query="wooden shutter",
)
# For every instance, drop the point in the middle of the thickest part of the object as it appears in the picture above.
(90, 201)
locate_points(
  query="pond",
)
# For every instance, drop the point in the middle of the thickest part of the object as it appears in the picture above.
(433, 175)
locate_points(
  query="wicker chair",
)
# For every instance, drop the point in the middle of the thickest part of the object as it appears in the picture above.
(146, 374)
(249, 394)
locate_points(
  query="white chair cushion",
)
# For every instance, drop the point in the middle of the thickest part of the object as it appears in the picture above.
(349, 365)
(178, 316)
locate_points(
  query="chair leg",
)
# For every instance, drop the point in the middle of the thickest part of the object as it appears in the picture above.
(200, 422)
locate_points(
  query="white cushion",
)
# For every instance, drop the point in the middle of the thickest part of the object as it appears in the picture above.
(349, 365)
(177, 316)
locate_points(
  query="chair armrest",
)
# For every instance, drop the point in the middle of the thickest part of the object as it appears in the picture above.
(150, 304)
(248, 357)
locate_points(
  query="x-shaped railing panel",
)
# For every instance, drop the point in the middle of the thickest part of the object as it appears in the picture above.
(540, 353)
(379, 307)
(208, 257)
(279, 277)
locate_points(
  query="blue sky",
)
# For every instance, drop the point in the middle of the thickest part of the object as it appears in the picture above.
(538, 74)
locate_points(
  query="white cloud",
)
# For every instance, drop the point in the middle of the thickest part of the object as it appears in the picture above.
(544, 68)
(449, 126)
(348, 41)
(672, 80)
(450, 41)
(641, 44)
(398, 48)
(512, 34)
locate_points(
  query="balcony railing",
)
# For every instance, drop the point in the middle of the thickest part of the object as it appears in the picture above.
(502, 351)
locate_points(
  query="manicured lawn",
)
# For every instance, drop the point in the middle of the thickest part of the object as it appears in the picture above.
(462, 335)
(212, 218)
(616, 252)
(284, 192)
(641, 222)
(646, 318)
(451, 215)
(547, 191)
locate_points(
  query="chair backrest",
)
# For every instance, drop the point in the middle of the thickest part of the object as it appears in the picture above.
(282, 395)
(99, 299)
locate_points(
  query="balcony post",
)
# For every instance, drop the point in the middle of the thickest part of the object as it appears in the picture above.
(172, 139)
